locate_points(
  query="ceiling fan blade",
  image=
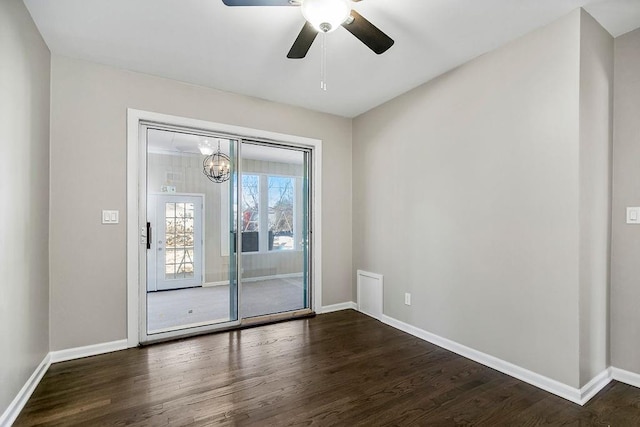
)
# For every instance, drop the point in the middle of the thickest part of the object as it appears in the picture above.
(260, 3)
(303, 42)
(368, 33)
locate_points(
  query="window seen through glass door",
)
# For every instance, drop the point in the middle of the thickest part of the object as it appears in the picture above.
(268, 206)
(281, 216)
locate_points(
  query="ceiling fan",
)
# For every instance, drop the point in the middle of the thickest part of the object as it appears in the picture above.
(326, 16)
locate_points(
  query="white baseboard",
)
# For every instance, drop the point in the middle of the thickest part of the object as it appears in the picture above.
(337, 307)
(277, 276)
(15, 407)
(596, 384)
(211, 284)
(579, 396)
(254, 279)
(630, 378)
(86, 351)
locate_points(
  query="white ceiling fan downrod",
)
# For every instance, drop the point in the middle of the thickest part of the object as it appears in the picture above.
(323, 63)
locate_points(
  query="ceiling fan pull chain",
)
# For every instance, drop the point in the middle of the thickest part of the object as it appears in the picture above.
(323, 63)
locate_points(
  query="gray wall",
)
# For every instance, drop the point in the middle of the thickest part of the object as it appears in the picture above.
(467, 195)
(88, 174)
(625, 250)
(596, 134)
(24, 186)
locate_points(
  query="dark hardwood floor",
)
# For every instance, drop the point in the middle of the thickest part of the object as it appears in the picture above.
(341, 368)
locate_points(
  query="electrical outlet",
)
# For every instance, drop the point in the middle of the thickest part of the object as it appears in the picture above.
(407, 298)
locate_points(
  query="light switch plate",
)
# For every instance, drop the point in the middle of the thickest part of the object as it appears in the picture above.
(110, 217)
(633, 215)
(407, 298)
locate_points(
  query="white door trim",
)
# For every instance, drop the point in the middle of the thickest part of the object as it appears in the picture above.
(134, 117)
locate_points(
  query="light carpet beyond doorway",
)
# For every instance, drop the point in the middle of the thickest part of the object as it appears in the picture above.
(170, 310)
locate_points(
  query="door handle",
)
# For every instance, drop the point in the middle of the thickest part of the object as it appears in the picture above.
(148, 235)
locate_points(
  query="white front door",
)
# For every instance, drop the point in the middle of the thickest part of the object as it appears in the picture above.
(175, 252)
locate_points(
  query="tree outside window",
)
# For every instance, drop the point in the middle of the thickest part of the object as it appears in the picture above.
(268, 206)
(281, 219)
(250, 203)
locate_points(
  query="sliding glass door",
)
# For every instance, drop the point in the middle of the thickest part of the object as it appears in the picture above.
(191, 265)
(274, 222)
(227, 230)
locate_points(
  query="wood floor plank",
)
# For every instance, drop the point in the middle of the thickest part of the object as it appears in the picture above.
(341, 368)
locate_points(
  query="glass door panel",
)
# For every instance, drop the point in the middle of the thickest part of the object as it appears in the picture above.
(222, 252)
(274, 224)
(192, 283)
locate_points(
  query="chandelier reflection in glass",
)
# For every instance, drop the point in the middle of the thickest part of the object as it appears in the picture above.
(216, 166)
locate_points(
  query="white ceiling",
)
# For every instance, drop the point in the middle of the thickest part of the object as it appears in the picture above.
(243, 49)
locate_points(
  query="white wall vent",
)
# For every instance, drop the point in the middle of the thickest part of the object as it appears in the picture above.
(370, 294)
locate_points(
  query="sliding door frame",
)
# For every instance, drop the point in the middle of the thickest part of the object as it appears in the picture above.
(144, 335)
(308, 237)
(136, 237)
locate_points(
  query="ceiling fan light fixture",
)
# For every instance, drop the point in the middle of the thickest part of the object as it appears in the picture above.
(326, 15)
